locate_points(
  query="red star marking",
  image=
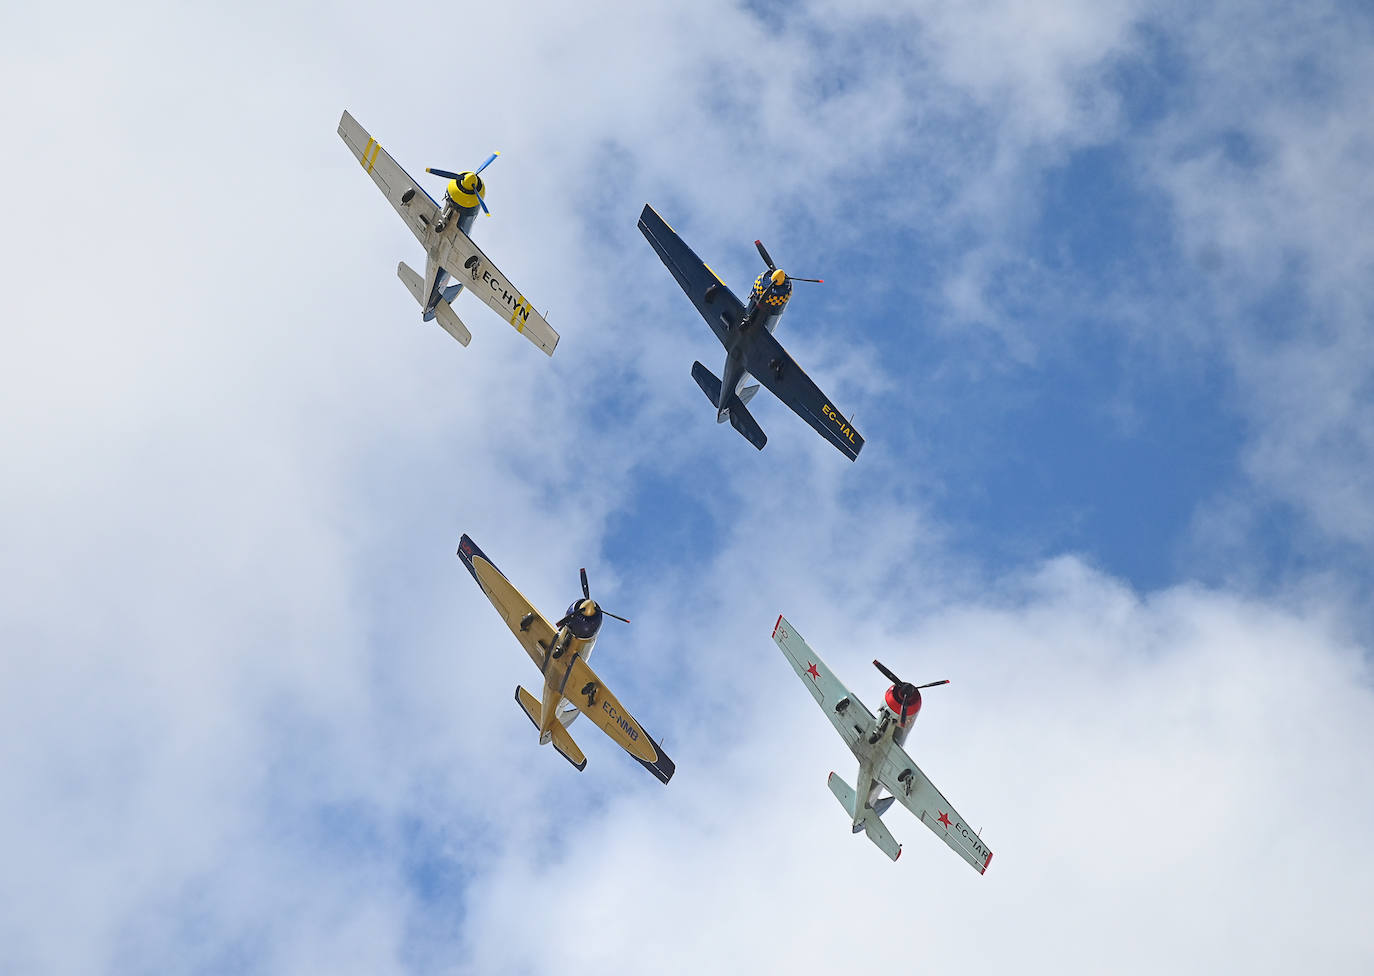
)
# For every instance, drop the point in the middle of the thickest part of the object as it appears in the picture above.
(944, 818)
(811, 670)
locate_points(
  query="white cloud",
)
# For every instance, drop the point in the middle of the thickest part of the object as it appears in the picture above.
(241, 664)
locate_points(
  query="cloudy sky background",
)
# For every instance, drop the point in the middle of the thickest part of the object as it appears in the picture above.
(1098, 291)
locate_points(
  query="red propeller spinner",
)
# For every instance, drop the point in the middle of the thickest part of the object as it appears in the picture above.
(903, 698)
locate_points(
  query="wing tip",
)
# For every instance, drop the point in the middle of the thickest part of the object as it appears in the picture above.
(776, 626)
(662, 767)
(469, 550)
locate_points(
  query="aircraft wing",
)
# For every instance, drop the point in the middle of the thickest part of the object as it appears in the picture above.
(420, 211)
(583, 688)
(537, 636)
(914, 791)
(693, 275)
(465, 261)
(849, 715)
(768, 362)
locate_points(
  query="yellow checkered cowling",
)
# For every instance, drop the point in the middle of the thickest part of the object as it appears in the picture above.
(764, 296)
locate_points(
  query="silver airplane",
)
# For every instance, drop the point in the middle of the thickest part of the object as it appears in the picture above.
(444, 234)
(884, 767)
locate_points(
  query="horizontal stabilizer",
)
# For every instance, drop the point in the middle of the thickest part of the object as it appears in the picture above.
(447, 317)
(708, 383)
(567, 748)
(528, 703)
(451, 323)
(413, 282)
(562, 739)
(842, 793)
(882, 837)
(743, 421)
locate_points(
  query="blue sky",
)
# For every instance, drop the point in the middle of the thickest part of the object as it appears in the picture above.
(1097, 293)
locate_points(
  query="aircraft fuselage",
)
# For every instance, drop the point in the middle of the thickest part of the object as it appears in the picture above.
(767, 302)
(577, 636)
(888, 732)
(439, 275)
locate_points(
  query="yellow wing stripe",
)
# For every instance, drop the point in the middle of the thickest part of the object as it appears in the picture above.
(370, 153)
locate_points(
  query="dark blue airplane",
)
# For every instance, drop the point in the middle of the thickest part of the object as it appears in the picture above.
(746, 332)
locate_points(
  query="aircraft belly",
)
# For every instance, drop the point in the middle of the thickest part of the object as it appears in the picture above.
(730, 382)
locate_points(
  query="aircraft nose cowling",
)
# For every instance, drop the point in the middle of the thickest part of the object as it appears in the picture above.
(904, 702)
(582, 626)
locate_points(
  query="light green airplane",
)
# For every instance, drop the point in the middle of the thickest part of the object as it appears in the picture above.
(883, 765)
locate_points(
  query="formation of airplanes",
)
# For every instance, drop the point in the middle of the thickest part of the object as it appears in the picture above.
(560, 650)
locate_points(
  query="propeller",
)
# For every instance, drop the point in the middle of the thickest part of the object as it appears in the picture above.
(587, 595)
(476, 191)
(763, 253)
(904, 691)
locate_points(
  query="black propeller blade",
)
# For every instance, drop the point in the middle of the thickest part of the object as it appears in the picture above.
(587, 595)
(886, 673)
(905, 690)
(763, 253)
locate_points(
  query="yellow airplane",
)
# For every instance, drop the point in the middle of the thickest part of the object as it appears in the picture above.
(560, 652)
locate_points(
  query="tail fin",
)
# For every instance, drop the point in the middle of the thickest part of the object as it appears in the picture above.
(747, 394)
(444, 312)
(562, 739)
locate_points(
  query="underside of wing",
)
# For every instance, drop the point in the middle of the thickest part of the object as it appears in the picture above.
(585, 690)
(716, 303)
(409, 199)
(465, 261)
(915, 791)
(850, 716)
(768, 362)
(527, 624)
